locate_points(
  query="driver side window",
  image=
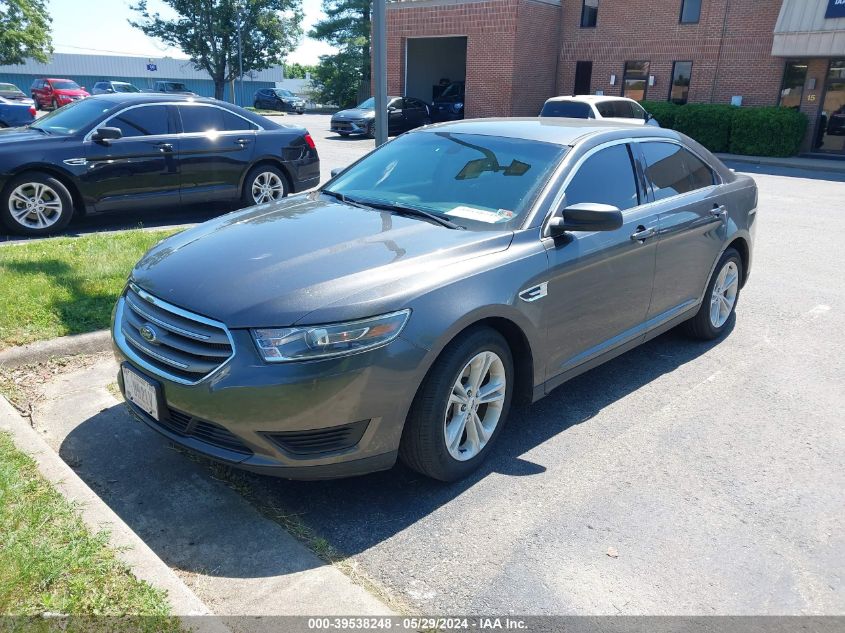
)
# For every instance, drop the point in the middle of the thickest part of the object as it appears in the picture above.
(606, 177)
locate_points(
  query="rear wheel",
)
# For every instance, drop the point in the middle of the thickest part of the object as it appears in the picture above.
(461, 407)
(55, 104)
(720, 299)
(264, 183)
(35, 203)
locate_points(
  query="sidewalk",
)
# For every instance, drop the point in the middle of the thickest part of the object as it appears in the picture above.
(795, 162)
(230, 556)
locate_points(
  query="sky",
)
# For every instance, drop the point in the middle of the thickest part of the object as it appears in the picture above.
(100, 26)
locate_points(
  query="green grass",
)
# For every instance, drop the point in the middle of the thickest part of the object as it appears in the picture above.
(62, 286)
(51, 563)
(265, 112)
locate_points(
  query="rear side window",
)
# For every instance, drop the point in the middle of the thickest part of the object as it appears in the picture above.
(606, 177)
(207, 119)
(616, 110)
(144, 121)
(570, 109)
(674, 170)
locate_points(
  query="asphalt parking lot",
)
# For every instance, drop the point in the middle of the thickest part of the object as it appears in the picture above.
(680, 478)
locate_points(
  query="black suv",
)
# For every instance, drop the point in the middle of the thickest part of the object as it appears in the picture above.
(279, 99)
(449, 106)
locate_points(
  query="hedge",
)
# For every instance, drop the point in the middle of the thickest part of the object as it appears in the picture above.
(767, 131)
(756, 131)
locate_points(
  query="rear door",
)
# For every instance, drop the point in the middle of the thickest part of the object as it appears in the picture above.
(600, 283)
(692, 215)
(216, 147)
(416, 112)
(140, 169)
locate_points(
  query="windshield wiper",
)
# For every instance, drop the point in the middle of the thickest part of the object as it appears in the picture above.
(339, 196)
(402, 209)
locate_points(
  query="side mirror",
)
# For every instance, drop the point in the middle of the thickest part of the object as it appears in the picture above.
(586, 216)
(110, 90)
(105, 134)
(334, 172)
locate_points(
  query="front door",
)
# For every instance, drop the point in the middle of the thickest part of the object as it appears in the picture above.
(830, 132)
(215, 150)
(600, 283)
(140, 169)
(692, 216)
(583, 78)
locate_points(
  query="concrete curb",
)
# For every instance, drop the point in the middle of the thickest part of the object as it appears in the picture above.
(145, 564)
(40, 351)
(795, 162)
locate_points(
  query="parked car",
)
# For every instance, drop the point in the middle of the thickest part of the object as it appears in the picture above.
(124, 151)
(403, 307)
(54, 93)
(449, 106)
(598, 107)
(403, 113)
(278, 99)
(171, 87)
(111, 87)
(10, 92)
(836, 122)
(15, 113)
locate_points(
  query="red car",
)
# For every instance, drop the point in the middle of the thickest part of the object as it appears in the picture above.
(54, 93)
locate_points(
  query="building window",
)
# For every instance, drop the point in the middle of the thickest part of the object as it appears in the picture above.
(792, 88)
(635, 80)
(589, 13)
(690, 11)
(679, 90)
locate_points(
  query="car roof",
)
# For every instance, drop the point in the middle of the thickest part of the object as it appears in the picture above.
(557, 130)
(590, 98)
(152, 97)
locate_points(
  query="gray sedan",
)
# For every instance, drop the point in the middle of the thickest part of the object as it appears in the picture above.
(407, 305)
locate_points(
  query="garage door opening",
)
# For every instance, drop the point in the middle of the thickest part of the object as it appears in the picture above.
(430, 60)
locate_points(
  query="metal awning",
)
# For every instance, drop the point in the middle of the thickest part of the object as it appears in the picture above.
(804, 30)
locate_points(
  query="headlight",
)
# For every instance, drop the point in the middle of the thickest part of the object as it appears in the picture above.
(456, 107)
(280, 345)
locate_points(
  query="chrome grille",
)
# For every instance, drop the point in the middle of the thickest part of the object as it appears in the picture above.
(169, 341)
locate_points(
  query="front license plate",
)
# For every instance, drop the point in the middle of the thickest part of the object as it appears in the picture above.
(140, 392)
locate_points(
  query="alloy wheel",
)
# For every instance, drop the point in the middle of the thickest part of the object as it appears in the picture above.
(723, 297)
(475, 406)
(267, 187)
(35, 205)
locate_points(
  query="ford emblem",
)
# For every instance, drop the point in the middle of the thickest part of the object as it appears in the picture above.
(148, 333)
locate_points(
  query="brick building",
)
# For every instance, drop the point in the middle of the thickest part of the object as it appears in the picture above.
(514, 54)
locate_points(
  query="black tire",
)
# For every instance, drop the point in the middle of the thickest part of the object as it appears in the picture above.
(371, 129)
(255, 105)
(55, 104)
(62, 195)
(423, 446)
(35, 102)
(247, 198)
(344, 134)
(701, 326)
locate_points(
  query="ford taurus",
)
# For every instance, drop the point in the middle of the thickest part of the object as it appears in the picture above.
(407, 305)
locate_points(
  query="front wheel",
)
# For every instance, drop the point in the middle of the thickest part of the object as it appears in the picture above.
(55, 104)
(35, 204)
(460, 407)
(720, 299)
(264, 183)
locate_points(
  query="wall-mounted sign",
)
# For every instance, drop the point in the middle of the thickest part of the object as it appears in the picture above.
(835, 9)
(152, 67)
(811, 98)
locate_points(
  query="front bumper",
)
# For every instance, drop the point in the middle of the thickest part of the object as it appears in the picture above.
(342, 126)
(260, 406)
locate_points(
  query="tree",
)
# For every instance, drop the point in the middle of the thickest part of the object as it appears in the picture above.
(298, 71)
(336, 79)
(24, 31)
(347, 26)
(207, 31)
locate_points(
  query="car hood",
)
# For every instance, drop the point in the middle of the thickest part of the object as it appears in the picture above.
(272, 265)
(20, 135)
(354, 113)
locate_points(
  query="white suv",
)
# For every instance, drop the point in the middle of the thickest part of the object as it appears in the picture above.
(598, 107)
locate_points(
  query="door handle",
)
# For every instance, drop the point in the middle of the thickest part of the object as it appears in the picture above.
(165, 147)
(642, 233)
(720, 211)
(242, 142)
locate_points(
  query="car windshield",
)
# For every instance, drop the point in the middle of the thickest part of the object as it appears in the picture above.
(176, 87)
(453, 90)
(571, 109)
(125, 88)
(9, 88)
(480, 182)
(65, 84)
(369, 104)
(73, 117)
(284, 93)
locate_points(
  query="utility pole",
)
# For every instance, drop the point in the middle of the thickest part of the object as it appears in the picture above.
(380, 68)
(240, 98)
